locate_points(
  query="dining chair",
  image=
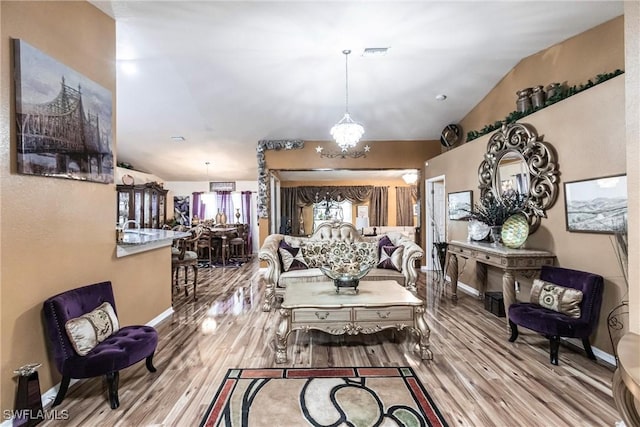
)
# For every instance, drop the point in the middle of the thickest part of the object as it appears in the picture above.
(184, 255)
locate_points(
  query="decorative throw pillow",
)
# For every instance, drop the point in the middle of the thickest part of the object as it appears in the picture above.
(315, 253)
(556, 298)
(89, 330)
(365, 253)
(384, 241)
(391, 257)
(291, 258)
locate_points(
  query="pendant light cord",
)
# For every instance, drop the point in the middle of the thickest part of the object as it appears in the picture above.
(346, 79)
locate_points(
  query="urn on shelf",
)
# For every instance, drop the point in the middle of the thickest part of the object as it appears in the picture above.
(523, 103)
(538, 97)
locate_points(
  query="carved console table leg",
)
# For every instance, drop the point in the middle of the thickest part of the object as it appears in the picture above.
(508, 293)
(453, 274)
(481, 279)
(282, 333)
(424, 333)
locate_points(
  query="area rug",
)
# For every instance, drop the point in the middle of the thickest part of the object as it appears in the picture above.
(322, 397)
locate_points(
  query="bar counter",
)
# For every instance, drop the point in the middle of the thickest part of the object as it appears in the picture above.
(145, 239)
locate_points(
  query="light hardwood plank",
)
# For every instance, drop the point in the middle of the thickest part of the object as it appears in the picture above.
(477, 378)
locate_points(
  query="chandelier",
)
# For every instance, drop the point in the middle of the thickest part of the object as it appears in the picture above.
(346, 132)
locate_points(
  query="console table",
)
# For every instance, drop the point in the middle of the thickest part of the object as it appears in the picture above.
(526, 262)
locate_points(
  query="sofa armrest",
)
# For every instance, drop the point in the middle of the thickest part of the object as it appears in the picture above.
(411, 253)
(269, 253)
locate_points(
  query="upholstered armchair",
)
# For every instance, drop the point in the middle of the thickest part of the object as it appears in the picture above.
(555, 324)
(71, 346)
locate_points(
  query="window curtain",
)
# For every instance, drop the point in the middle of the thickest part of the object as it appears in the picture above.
(198, 206)
(223, 200)
(404, 206)
(246, 215)
(354, 193)
(289, 209)
(379, 207)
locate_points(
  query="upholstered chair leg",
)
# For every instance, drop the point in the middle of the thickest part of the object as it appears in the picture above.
(554, 343)
(514, 331)
(64, 386)
(149, 363)
(587, 348)
(113, 378)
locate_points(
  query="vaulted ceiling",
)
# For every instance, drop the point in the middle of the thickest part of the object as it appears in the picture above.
(225, 74)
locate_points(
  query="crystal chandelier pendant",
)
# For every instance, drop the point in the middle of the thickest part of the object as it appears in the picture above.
(346, 132)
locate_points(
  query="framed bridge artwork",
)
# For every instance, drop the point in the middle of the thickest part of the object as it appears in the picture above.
(63, 119)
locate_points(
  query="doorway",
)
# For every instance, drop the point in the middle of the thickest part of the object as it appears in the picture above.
(435, 219)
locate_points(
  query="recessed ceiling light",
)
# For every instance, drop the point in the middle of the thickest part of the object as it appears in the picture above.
(375, 51)
(178, 138)
(441, 97)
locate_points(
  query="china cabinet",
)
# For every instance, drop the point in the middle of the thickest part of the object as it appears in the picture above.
(146, 204)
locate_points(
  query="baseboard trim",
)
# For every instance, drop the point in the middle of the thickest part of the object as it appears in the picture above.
(50, 395)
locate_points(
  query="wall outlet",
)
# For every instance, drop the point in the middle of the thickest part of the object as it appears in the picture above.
(517, 286)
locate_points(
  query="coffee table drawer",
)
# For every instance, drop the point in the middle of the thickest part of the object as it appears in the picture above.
(315, 315)
(390, 313)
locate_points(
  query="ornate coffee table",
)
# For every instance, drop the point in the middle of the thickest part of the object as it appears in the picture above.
(378, 305)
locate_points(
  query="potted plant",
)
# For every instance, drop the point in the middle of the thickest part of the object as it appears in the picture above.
(494, 211)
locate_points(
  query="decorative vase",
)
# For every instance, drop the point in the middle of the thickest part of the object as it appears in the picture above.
(538, 97)
(523, 103)
(219, 217)
(223, 218)
(238, 216)
(496, 230)
(515, 231)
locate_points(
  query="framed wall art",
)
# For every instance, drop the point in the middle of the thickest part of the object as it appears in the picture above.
(597, 205)
(63, 119)
(460, 205)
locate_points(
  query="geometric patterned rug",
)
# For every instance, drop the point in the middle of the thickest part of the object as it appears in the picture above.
(322, 397)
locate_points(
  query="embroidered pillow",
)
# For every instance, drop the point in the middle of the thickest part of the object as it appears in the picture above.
(89, 330)
(391, 257)
(556, 298)
(365, 253)
(315, 253)
(291, 258)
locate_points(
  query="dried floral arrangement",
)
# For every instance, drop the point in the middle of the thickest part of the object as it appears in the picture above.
(494, 212)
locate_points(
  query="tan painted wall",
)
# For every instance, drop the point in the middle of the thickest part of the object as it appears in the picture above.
(574, 61)
(588, 133)
(59, 234)
(632, 77)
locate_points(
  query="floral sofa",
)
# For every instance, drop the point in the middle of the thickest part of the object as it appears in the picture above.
(294, 259)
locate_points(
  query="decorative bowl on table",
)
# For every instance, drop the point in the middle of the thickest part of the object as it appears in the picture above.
(346, 276)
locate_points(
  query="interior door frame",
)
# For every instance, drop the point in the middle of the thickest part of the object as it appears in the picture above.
(275, 204)
(429, 185)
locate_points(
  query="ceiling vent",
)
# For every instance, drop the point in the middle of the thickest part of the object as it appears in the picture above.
(375, 51)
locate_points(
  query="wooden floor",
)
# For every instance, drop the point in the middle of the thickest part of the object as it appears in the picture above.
(476, 378)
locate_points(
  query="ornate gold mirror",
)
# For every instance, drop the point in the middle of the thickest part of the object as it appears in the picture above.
(518, 162)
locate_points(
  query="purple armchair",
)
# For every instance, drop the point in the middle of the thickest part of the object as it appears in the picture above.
(554, 325)
(127, 346)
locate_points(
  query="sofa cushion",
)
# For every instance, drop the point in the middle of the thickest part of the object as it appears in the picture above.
(89, 330)
(557, 298)
(291, 258)
(391, 257)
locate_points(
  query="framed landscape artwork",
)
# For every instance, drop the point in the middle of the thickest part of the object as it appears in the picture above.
(63, 119)
(596, 205)
(460, 204)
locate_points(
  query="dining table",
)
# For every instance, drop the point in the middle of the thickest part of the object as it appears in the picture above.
(224, 233)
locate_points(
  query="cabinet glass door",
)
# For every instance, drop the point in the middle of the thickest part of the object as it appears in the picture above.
(123, 207)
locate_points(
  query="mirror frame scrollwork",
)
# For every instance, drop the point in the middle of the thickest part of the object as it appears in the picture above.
(540, 157)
